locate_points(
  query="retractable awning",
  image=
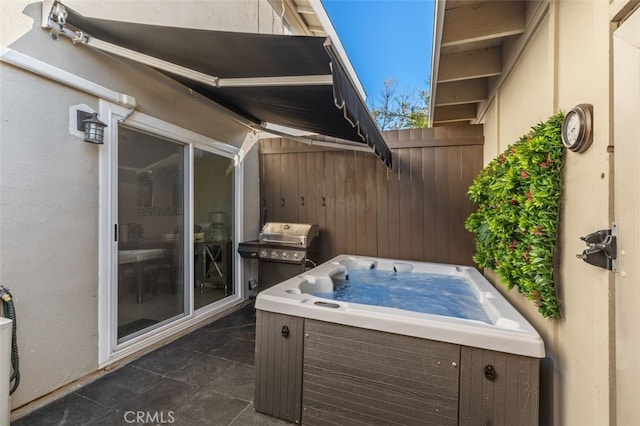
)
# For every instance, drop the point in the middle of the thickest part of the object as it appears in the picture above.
(293, 81)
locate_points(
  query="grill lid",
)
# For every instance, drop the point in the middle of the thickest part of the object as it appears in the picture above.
(293, 234)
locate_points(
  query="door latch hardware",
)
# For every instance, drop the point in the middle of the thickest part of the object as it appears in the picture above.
(285, 331)
(602, 248)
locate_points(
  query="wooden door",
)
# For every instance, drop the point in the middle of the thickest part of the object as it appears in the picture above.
(626, 45)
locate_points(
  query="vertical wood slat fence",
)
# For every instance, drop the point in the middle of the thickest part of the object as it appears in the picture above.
(414, 212)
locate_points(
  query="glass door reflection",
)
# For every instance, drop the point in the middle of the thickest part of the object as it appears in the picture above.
(213, 218)
(151, 196)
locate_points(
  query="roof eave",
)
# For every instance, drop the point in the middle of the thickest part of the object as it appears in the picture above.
(435, 59)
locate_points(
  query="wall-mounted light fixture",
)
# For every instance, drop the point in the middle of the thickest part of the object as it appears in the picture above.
(92, 127)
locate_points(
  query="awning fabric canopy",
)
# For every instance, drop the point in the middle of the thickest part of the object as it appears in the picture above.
(327, 103)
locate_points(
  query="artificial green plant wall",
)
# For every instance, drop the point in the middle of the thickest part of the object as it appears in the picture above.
(516, 222)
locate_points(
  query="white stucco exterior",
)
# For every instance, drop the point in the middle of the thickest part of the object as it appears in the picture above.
(50, 201)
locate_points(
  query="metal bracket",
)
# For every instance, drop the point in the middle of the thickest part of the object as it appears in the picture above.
(59, 14)
(57, 24)
(602, 248)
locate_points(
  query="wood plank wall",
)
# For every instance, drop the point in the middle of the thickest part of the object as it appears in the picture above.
(415, 211)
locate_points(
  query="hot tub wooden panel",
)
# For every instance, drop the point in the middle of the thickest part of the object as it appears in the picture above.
(278, 390)
(327, 373)
(511, 398)
(353, 375)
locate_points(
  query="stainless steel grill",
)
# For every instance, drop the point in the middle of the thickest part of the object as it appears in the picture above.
(283, 250)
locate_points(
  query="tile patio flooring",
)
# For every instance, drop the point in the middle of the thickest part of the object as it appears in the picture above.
(203, 378)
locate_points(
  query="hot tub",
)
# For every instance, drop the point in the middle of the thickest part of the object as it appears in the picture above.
(335, 356)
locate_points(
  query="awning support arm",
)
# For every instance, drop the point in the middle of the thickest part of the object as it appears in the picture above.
(344, 145)
(58, 26)
(297, 80)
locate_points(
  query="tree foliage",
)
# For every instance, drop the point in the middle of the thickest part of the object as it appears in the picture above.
(400, 109)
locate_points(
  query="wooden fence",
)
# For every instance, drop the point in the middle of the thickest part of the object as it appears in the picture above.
(414, 212)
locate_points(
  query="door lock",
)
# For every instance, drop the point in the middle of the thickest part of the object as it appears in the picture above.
(602, 248)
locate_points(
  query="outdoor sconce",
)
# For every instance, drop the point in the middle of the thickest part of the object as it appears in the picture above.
(92, 127)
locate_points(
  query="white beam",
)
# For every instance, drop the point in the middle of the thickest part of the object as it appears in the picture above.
(305, 10)
(445, 114)
(471, 64)
(483, 21)
(620, 9)
(316, 29)
(462, 92)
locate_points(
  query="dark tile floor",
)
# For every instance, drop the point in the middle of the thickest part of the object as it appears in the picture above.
(204, 378)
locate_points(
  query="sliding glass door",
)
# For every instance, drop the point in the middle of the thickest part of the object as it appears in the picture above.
(213, 200)
(151, 187)
(169, 213)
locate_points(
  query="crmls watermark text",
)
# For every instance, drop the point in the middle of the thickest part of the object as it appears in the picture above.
(155, 417)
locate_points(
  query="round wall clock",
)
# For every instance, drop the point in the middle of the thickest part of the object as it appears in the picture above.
(577, 128)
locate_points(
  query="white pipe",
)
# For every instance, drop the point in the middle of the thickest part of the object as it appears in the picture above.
(43, 69)
(5, 369)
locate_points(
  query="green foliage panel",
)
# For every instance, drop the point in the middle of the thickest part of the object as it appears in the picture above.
(516, 223)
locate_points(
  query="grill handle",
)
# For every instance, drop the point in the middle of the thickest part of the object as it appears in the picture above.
(277, 241)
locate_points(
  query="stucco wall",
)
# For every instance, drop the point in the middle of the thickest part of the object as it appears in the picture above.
(567, 63)
(48, 250)
(49, 179)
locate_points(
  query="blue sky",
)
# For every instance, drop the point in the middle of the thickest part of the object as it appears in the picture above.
(386, 39)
